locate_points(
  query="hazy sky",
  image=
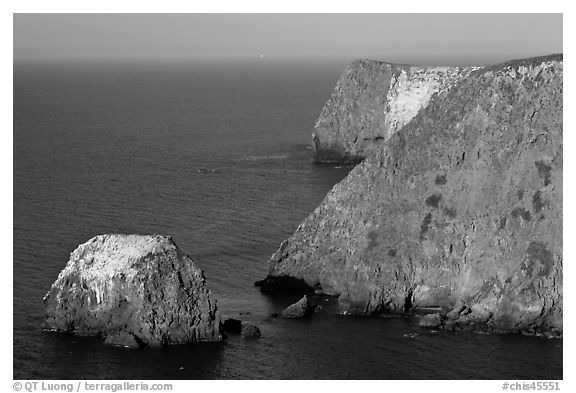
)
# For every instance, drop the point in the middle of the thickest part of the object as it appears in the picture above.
(395, 37)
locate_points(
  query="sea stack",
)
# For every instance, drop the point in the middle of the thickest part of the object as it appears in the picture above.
(461, 205)
(133, 289)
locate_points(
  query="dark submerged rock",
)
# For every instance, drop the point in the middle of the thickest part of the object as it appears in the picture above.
(140, 286)
(232, 325)
(250, 331)
(286, 284)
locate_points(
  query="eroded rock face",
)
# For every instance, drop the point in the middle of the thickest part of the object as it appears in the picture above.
(133, 288)
(462, 206)
(371, 101)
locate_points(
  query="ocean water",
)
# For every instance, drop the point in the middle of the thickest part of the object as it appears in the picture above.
(216, 155)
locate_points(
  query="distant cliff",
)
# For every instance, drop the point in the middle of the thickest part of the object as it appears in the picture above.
(372, 100)
(461, 206)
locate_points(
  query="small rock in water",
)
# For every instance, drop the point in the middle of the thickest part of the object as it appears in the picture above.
(232, 325)
(302, 308)
(250, 331)
(430, 321)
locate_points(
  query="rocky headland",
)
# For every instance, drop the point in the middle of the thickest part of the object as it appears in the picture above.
(371, 101)
(133, 290)
(457, 207)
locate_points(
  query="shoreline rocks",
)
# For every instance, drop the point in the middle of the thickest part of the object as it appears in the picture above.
(133, 290)
(245, 329)
(430, 321)
(122, 339)
(463, 204)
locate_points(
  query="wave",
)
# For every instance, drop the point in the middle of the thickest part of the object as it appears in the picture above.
(269, 157)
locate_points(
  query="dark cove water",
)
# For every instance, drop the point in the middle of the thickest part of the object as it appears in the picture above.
(121, 148)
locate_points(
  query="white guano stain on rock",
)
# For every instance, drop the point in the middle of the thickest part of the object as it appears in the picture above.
(371, 101)
(412, 90)
(138, 285)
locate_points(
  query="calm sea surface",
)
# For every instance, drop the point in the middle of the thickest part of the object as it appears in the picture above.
(120, 148)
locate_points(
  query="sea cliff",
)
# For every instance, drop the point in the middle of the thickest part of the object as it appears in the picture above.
(459, 209)
(371, 101)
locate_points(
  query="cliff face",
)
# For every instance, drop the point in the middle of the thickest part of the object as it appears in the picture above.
(133, 289)
(462, 206)
(371, 101)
